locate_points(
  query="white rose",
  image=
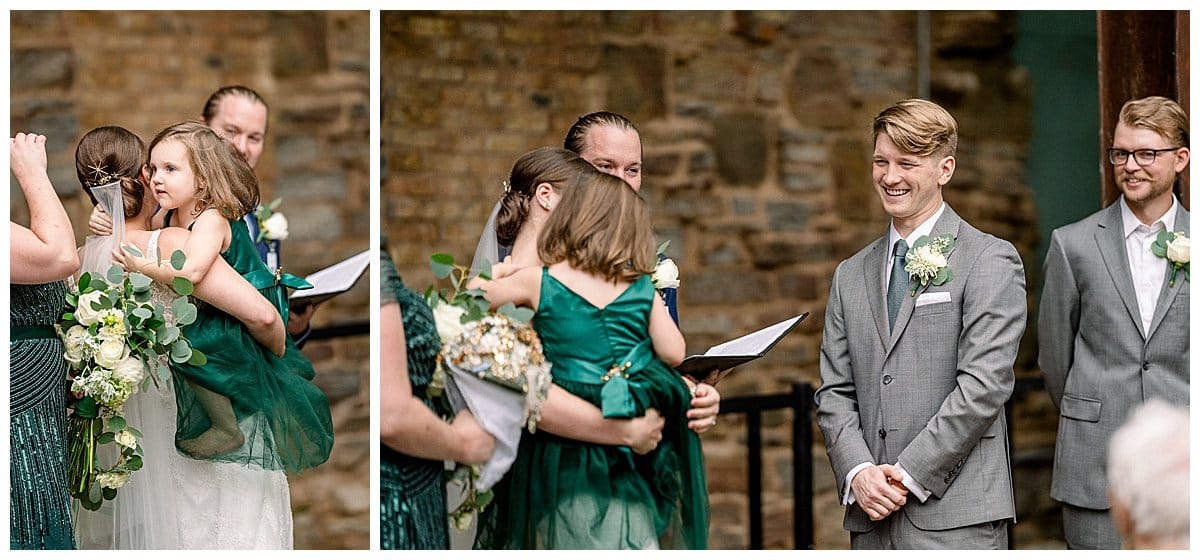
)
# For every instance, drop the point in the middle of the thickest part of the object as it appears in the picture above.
(75, 342)
(1179, 249)
(666, 275)
(275, 227)
(84, 312)
(131, 370)
(449, 321)
(113, 480)
(111, 352)
(126, 439)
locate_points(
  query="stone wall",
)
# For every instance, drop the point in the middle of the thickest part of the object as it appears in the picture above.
(72, 71)
(756, 129)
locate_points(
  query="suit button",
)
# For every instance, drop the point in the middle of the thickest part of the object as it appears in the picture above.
(1145, 366)
(882, 433)
(887, 379)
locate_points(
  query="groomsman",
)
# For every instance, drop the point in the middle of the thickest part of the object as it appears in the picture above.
(1113, 320)
(239, 114)
(917, 356)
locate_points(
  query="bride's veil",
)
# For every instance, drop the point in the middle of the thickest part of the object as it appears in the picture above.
(489, 247)
(96, 254)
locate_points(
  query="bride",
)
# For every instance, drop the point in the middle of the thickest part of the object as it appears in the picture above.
(175, 502)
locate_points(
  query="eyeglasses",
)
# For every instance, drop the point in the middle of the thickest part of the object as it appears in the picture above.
(1142, 157)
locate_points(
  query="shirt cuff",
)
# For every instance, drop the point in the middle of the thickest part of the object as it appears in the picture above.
(848, 495)
(913, 486)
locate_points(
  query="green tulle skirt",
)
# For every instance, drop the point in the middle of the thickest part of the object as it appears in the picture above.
(565, 494)
(283, 419)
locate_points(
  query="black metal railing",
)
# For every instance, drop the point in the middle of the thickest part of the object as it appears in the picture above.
(800, 400)
(357, 328)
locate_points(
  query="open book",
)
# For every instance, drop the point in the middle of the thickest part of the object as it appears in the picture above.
(739, 350)
(329, 282)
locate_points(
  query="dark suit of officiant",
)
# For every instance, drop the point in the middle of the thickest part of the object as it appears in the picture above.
(929, 391)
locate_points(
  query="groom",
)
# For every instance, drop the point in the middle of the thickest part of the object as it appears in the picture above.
(917, 356)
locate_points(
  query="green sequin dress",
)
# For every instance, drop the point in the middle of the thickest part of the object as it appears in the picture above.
(566, 494)
(282, 415)
(39, 503)
(412, 494)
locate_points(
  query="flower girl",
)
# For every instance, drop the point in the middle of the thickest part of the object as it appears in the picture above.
(612, 342)
(245, 405)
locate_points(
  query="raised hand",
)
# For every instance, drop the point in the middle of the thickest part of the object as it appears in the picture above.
(875, 492)
(27, 155)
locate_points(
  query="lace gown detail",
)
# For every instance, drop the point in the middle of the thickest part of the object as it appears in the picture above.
(567, 494)
(412, 496)
(176, 502)
(39, 510)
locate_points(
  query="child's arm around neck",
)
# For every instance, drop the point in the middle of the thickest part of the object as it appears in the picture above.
(210, 236)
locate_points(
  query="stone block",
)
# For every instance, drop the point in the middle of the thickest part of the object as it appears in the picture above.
(37, 69)
(635, 80)
(299, 43)
(819, 92)
(729, 288)
(786, 215)
(855, 196)
(305, 187)
(740, 141)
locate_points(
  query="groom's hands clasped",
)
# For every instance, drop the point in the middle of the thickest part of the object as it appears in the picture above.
(878, 490)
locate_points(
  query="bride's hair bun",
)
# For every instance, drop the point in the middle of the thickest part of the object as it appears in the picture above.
(555, 166)
(109, 154)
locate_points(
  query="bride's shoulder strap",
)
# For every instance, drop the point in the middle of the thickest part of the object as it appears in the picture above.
(152, 244)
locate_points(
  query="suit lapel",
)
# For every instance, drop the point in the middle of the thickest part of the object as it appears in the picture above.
(1110, 238)
(1167, 296)
(948, 223)
(873, 280)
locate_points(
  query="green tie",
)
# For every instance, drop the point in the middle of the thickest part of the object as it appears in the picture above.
(899, 283)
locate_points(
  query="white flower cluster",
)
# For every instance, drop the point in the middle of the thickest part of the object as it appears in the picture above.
(112, 479)
(500, 350)
(924, 262)
(274, 227)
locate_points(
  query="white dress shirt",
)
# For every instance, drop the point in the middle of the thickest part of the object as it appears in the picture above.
(1147, 270)
(925, 228)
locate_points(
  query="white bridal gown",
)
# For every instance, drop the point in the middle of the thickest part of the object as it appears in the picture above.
(175, 502)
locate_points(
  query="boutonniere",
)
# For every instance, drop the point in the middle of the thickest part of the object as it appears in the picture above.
(666, 274)
(1177, 249)
(272, 225)
(925, 262)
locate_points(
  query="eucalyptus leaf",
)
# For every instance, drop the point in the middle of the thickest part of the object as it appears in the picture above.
(94, 493)
(139, 281)
(85, 280)
(134, 463)
(106, 437)
(485, 271)
(142, 313)
(180, 351)
(117, 423)
(109, 493)
(198, 358)
(87, 408)
(663, 248)
(518, 314)
(177, 259)
(132, 250)
(115, 274)
(182, 286)
(187, 315)
(442, 265)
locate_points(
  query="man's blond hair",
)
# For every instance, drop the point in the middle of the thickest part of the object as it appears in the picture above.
(1159, 114)
(918, 127)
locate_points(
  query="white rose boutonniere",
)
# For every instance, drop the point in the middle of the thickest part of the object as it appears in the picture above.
(272, 225)
(926, 261)
(1176, 247)
(666, 274)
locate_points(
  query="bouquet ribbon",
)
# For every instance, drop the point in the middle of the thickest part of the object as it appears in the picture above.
(617, 396)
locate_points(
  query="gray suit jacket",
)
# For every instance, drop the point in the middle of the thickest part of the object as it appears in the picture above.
(930, 393)
(1098, 363)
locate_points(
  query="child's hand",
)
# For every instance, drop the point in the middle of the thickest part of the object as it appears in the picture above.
(706, 403)
(129, 261)
(503, 269)
(99, 223)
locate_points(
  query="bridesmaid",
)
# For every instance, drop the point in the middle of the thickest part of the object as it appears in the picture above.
(412, 496)
(41, 256)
